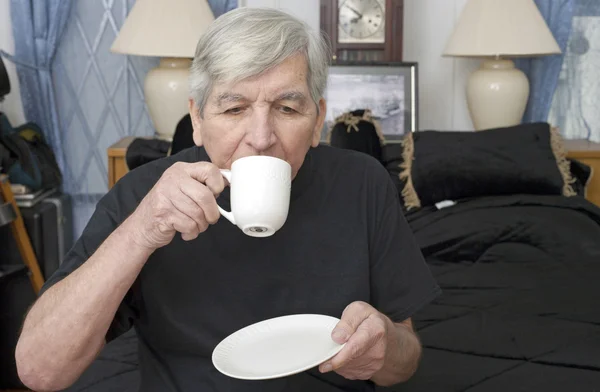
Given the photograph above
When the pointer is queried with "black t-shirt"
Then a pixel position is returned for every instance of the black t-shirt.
(345, 240)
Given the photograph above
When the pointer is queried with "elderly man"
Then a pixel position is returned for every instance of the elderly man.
(155, 255)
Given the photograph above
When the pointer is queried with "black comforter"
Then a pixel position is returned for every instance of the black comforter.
(520, 305)
(519, 310)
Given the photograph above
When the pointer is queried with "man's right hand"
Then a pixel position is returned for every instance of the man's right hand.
(183, 200)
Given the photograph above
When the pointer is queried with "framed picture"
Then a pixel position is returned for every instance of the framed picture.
(389, 90)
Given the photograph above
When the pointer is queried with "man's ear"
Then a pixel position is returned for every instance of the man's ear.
(196, 122)
(320, 121)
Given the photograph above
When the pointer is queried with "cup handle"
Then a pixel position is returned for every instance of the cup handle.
(227, 214)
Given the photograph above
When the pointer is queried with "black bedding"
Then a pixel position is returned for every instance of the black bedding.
(519, 309)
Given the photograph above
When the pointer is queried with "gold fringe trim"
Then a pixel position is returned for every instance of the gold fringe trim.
(586, 186)
(558, 148)
(409, 194)
(352, 123)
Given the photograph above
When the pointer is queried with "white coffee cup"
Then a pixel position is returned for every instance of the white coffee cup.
(260, 194)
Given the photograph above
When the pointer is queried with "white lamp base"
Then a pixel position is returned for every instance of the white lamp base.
(166, 92)
(497, 95)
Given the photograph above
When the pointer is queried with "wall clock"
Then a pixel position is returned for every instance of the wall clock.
(361, 21)
(364, 30)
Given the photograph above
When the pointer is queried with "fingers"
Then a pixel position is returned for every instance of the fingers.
(204, 203)
(362, 329)
(183, 201)
(193, 198)
(184, 204)
(208, 174)
(367, 335)
(354, 348)
(182, 223)
(352, 317)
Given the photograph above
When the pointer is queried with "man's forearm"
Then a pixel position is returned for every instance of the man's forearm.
(65, 329)
(402, 355)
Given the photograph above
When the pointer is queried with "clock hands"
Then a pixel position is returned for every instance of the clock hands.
(355, 11)
(358, 14)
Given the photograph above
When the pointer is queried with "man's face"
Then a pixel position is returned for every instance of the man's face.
(270, 114)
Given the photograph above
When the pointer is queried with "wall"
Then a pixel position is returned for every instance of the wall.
(11, 105)
(442, 81)
(307, 10)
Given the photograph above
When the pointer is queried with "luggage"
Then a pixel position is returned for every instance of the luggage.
(49, 224)
(64, 223)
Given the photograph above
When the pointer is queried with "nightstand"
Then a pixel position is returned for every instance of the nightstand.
(588, 153)
(117, 165)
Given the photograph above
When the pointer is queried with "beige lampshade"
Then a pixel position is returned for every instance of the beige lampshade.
(501, 28)
(163, 28)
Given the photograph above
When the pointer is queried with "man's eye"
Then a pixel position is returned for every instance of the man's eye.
(237, 110)
(286, 109)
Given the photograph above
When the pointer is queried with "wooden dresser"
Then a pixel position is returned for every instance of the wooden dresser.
(582, 150)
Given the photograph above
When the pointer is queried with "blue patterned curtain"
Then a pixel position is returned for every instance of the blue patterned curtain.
(219, 7)
(37, 28)
(543, 72)
(577, 97)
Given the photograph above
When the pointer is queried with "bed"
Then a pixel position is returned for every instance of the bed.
(519, 309)
(517, 255)
(501, 218)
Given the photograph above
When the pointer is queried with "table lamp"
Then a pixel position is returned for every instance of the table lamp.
(495, 31)
(169, 29)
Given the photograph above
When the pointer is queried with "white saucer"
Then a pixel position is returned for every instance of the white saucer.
(277, 347)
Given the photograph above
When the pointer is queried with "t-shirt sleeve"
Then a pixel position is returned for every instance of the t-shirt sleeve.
(401, 281)
(102, 223)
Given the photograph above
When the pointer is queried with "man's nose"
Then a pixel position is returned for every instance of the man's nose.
(261, 134)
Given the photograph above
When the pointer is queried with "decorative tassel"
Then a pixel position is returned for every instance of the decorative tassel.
(564, 166)
(351, 121)
(409, 194)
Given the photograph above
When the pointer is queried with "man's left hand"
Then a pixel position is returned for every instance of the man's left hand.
(364, 330)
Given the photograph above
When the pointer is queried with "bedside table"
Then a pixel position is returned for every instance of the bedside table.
(588, 153)
(117, 165)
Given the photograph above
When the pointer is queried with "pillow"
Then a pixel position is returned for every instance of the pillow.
(392, 160)
(357, 130)
(582, 174)
(183, 137)
(451, 165)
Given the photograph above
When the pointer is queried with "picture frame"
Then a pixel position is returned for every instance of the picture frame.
(388, 89)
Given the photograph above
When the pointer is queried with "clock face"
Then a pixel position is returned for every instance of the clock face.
(361, 21)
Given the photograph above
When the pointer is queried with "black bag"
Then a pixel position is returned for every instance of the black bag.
(26, 157)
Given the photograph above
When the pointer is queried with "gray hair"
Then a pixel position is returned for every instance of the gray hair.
(246, 42)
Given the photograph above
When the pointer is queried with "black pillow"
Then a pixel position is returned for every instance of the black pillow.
(357, 130)
(392, 160)
(452, 165)
(183, 136)
(581, 175)
(142, 151)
